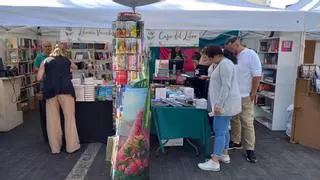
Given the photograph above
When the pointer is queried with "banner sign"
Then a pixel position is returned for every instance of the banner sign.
(171, 38)
(86, 35)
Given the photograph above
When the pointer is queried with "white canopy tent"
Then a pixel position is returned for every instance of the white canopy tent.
(311, 8)
(169, 14)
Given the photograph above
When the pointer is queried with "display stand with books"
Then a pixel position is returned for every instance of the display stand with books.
(21, 53)
(92, 59)
(280, 56)
(129, 148)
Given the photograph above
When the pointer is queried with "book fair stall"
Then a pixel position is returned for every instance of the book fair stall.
(135, 73)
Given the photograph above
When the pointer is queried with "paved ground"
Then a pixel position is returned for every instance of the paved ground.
(24, 155)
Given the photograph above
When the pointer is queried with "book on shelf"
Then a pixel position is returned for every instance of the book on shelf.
(269, 46)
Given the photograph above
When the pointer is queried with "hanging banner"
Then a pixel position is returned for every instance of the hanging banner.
(86, 35)
(172, 38)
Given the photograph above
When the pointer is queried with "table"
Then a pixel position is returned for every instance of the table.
(181, 122)
(94, 121)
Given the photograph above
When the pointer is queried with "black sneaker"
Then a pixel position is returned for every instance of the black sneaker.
(233, 145)
(251, 157)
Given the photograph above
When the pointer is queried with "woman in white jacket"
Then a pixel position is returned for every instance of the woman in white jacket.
(225, 101)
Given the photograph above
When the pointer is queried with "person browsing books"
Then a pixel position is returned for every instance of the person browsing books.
(249, 75)
(59, 91)
(225, 100)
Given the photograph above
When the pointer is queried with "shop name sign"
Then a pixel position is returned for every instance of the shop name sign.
(171, 38)
(86, 35)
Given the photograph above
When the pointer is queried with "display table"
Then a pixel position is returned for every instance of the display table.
(94, 121)
(10, 117)
(181, 122)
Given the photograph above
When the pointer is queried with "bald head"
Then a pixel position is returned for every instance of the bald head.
(46, 47)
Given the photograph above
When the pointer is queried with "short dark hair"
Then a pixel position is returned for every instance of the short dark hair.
(232, 39)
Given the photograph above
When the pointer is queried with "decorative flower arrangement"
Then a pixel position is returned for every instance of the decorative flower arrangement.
(132, 157)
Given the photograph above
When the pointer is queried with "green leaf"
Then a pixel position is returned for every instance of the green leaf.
(118, 174)
(128, 151)
(140, 144)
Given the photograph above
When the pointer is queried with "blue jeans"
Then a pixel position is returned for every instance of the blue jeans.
(222, 136)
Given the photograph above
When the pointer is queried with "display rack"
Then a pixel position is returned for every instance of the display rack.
(21, 53)
(268, 52)
(131, 99)
(276, 90)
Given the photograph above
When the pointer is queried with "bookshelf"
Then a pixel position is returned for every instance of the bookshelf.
(276, 90)
(21, 53)
(92, 59)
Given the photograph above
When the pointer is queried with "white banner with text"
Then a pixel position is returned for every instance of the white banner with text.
(86, 35)
(171, 38)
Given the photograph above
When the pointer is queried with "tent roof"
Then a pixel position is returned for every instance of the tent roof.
(169, 14)
(312, 13)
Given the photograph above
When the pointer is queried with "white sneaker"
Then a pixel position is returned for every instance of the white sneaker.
(225, 159)
(209, 165)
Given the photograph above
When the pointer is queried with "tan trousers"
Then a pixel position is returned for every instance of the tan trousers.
(54, 124)
(242, 128)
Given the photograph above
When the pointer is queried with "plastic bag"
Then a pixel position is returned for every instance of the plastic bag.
(289, 120)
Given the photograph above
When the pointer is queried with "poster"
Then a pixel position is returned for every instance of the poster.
(287, 46)
(131, 160)
(172, 38)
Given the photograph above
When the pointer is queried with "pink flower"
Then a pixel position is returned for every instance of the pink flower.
(132, 169)
(138, 163)
(137, 127)
(121, 168)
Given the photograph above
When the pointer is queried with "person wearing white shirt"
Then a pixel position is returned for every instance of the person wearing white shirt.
(225, 100)
(249, 74)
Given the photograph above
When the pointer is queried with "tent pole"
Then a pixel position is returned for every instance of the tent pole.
(302, 46)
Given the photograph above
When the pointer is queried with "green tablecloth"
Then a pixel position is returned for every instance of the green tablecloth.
(181, 122)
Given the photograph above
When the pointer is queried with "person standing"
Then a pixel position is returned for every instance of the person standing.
(249, 75)
(59, 91)
(201, 76)
(225, 100)
(46, 50)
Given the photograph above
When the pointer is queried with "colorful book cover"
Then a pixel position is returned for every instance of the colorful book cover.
(120, 46)
(133, 76)
(131, 29)
(121, 77)
(139, 62)
(121, 29)
(131, 45)
(132, 62)
(120, 63)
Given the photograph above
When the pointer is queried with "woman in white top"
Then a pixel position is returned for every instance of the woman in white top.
(225, 100)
